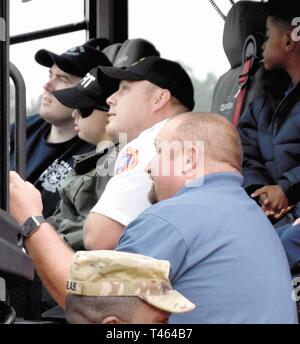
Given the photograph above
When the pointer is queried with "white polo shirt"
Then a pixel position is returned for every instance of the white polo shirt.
(126, 193)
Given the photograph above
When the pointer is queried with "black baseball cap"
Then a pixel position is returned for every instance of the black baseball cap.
(161, 72)
(76, 61)
(91, 93)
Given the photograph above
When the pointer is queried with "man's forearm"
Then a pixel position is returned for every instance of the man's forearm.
(52, 259)
(50, 255)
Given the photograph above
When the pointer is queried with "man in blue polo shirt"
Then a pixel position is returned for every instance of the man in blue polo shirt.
(224, 253)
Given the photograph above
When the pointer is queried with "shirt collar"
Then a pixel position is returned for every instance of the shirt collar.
(212, 181)
(154, 127)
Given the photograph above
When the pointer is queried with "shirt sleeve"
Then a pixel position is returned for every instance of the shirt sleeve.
(154, 236)
(254, 170)
(125, 196)
(290, 184)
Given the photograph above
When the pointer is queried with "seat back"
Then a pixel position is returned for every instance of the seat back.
(111, 51)
(132, 50)
(243, 35)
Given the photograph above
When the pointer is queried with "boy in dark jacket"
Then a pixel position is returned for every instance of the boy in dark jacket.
(83, 187)
(270, 127)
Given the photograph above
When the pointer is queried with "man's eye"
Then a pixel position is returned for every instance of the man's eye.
(124, 87)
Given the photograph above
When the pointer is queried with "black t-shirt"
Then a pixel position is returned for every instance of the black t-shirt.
(47, 163)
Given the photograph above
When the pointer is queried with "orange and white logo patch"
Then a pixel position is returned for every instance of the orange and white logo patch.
(128, 161)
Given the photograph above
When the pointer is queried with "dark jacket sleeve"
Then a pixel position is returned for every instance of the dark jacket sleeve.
(79, 194)
(254, 171)
(69, 225)
(290, 184)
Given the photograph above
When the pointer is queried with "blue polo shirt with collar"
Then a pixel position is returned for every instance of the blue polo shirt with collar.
(225, 255)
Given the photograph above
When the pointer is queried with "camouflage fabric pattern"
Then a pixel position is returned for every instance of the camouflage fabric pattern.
(113, 273)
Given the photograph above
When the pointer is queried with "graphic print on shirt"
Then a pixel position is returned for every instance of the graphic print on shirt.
(53, 176)
(128, 161)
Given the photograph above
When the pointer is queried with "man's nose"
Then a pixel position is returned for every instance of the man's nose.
(112, 99)
(49, 86)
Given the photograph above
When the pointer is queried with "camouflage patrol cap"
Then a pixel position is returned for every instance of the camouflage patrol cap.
(113, 273)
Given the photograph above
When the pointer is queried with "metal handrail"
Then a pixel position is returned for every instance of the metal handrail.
(20, 126)
(4, 105)
(59, 30)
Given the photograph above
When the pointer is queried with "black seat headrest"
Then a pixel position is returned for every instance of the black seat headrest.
(244, 18)
(133, 50)
(111, 51)
(98, 43)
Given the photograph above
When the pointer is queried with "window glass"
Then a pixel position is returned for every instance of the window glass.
(33, 16)
(189, 32)
(42, 14)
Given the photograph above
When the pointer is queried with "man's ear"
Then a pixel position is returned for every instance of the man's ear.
(190, 161)
(161, 97)
(113, 320)
(290, 43)
(193, 160)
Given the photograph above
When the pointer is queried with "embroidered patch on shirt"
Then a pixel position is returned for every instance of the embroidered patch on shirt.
(128, 161)
(53, 176)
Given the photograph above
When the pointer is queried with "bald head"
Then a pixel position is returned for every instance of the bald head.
(221, 141)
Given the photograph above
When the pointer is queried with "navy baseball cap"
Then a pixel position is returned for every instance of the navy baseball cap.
(91, 93)
(76, 61)
(161, 72)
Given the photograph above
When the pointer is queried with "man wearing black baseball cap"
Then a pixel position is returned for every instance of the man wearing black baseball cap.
(51, 138)
(150, 92)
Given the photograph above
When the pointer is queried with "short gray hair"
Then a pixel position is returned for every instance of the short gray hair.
(94, 309)
(221, 140)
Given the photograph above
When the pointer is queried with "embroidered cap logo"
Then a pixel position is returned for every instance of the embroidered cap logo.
(87, 80)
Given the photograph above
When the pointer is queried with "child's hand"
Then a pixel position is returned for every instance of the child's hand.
(273, 201)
